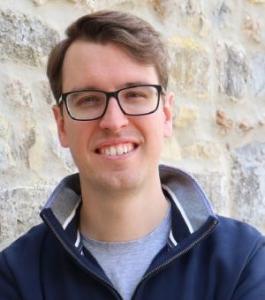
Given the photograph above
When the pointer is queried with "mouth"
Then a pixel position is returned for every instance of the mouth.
(117, 150)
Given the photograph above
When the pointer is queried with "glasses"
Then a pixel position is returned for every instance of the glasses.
(88, 105)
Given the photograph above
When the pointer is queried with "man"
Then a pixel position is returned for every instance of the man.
(125, 228)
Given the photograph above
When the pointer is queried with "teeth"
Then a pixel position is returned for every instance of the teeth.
(120, 150)
(117, 149)
(112, 150)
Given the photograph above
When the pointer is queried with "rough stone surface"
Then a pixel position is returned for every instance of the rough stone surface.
(248, 183)
(227, 125)
(233, 70)
(257, 1)
(252, 29)
(19, 209)
(206, 150)
(186, 115)
(224, 122)
(189, 67)
(3, 127)
(258, 74)
(97, 5)
(40, 2)
(46, 92)
(25, 38)
(171, 152)
(223, 13)
(21, 134)
(215, 187)
(6, 158)
(17, 94)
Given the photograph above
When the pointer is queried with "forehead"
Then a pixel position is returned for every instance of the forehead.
(104, 66)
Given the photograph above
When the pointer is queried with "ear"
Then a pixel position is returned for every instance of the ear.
(60, 122)
(168, 114)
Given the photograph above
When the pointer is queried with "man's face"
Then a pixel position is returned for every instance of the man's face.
(95, 145)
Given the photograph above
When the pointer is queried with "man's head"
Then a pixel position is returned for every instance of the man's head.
(112, 114)
(129, 32)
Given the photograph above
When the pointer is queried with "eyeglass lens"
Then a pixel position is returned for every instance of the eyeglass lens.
(86, 105)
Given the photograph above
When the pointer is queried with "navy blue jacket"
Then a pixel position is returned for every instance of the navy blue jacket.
(206, 257)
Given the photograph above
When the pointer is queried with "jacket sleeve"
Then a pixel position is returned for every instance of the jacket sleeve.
(8, 289)
(251, 283)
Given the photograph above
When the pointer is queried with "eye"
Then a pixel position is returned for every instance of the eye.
(135, 94)
(87, 100)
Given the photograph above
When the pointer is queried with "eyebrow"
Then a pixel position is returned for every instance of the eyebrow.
(128, 84)
(124, 85)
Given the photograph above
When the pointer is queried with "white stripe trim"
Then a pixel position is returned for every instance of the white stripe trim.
(172, 239)
(78, 238)
(71, 216)
(182, 211)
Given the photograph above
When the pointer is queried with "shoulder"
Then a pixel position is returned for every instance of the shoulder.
(20, 264)
(25, 248)
(230, 228)
(237, 241)
(241, 250)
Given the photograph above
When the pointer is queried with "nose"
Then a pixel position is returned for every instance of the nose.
(113, 119)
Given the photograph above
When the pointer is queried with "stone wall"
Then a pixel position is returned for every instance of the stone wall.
(217, 51)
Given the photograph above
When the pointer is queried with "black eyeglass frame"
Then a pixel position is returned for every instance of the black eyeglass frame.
(115, 94)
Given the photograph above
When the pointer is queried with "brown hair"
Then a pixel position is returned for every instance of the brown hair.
(137, 37)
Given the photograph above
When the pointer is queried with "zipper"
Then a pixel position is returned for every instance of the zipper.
(182, 252)
(96, 276)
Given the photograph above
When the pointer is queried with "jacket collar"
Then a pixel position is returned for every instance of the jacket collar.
(190, 206)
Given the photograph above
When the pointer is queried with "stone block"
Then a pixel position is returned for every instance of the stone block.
(225, 123)
(4, 126)
(189, 67)
(185, 8)
(248, 184)
(252, 28)
(223, 13)
(45, 92)
(103, 4)
(202, 150)
(6, 158)
(257, 65)
(186, 115)
(18, 94)
(20, 136)
(190, 7)
(25, 38)
(233, 70)
(62, 154)
(256, 1)
(159, 6)
(19, 209)
(39, 2)
(245, 126)
(186, 13)
(215, 188)
(171, 151)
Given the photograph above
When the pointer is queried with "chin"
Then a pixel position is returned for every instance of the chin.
(117, 182)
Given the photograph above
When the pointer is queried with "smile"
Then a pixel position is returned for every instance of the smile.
(117, 150)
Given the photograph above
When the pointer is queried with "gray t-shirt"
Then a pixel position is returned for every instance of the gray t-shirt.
(126, 262)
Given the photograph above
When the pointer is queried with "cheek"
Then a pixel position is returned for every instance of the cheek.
(78, 136)
(154, 130)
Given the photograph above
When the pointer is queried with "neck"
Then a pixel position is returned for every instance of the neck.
(121, 216)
